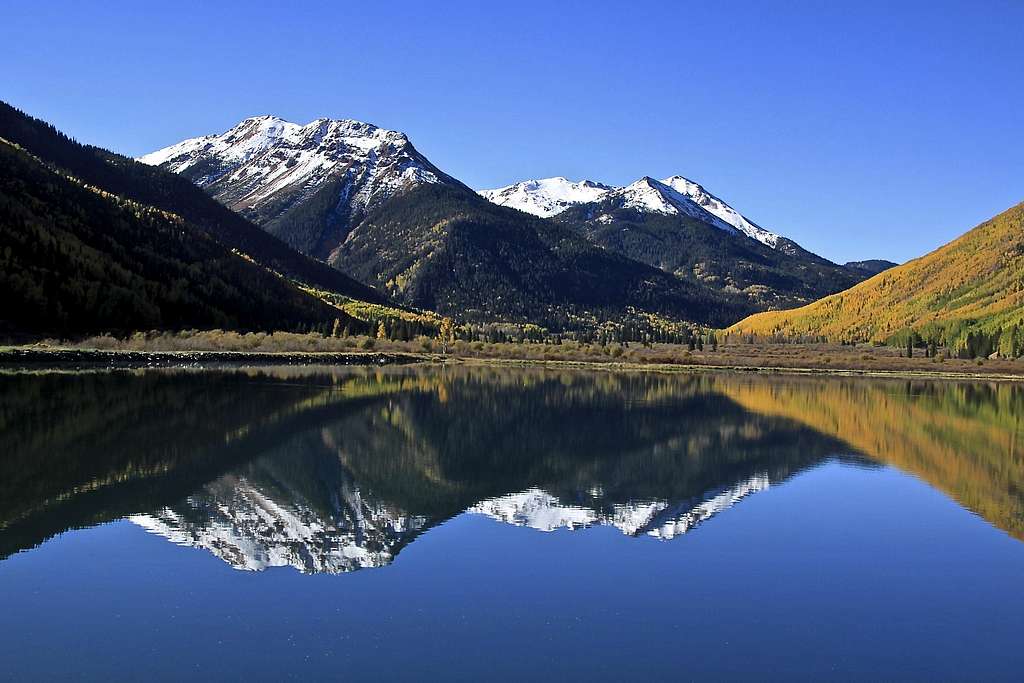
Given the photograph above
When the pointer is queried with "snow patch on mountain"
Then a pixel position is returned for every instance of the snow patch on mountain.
(717, 207)
(536, 509)
(546, 197)
(539, 510)
(267, 165)
(247, 528)
(252, 527)
(651, 196)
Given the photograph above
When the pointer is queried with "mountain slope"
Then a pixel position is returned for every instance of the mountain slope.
(720, 209)
(77, 259)
(654, 223)
(364, 200)
(166, 191)
(975, 282)
(308, 185)
(444, 248)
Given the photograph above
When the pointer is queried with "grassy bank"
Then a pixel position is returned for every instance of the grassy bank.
(208, 347)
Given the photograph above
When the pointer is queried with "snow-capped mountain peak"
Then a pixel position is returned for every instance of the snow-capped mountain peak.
(253, 528)
(646, 195)
(720, 209)
(662, 519)
(264, 167)
(546, 197)
(652, 196)
(299, 150)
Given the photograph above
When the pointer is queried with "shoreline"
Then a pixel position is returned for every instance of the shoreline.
(743, 369)
(98, 359)
(71, 359)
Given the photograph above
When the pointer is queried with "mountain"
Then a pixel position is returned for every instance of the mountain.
(307, 184)
(547, 196)
(75, 259)
(364, 200)
(671, 224)
(871, 266)
(968, 290)
(655, 223)
(367, 202)
(171, 193)
(444, 248)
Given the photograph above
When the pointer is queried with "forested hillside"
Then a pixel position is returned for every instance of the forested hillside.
(74, 259)
(444, 248)
(967, 295)
(696, 250)
(164, 190)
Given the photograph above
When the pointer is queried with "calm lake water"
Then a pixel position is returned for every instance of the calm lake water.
(513, 524)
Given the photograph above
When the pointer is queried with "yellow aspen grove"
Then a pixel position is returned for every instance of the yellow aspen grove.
(446, 333)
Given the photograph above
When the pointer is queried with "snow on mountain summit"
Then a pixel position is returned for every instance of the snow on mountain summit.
(322, 143)
(264, 167)
(717, 207)
(653, 196)
(546, 197)
(662, 519)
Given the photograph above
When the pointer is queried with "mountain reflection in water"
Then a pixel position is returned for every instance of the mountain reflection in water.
(332, 470)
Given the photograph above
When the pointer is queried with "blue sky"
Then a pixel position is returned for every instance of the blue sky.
(859, 129)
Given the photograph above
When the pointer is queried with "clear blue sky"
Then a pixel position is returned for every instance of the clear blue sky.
(859, 129)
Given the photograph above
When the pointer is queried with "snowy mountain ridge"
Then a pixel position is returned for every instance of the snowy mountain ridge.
(265, 168)
(537, 509)
(270, 153)
(252, 530)
(547, 197)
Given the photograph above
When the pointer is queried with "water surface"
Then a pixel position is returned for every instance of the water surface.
(460, 523)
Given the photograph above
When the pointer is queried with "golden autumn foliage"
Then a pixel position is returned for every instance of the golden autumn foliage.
(965, 439)
(974, 282)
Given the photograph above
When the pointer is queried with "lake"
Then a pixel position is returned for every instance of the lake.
(467, 523)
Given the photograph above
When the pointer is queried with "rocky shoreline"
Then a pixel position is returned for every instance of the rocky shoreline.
(95, 358)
